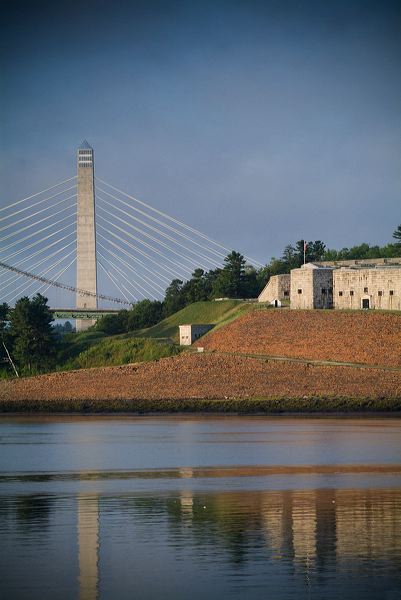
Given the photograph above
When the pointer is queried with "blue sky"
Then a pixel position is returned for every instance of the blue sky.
(258, 122)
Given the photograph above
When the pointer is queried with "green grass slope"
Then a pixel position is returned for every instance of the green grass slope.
(96, 349)
(115, 350)
(198, 312)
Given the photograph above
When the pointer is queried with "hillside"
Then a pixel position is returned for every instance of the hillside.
(198, 312)
(357, 337)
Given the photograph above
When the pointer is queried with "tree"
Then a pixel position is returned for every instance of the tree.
(397, 236)
(4, 310)
(316, 250)
(144, 314)
(34, 344)
(174, 299)
(230, 281)
(113, 324)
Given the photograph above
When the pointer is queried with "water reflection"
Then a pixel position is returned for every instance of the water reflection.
(88, 547)
(294, 541)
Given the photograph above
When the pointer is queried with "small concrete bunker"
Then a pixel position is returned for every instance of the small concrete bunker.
(190, 333)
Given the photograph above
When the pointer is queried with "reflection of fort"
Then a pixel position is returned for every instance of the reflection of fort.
(332, 525)
(88, 546)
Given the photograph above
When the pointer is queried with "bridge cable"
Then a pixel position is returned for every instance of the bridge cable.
(219, 254)
(186, 269)
(153, 272)
(112, 279)
(57, 276)
(181, 223)
(33, 225)
(143, 277)
(39, 241)
(64, 286)
(134, 284)
(152, 248)
(17, 212)
(14, 233)
(159, 231)
(38, 193)
(30, 216)
(27, 237)
(34, 266)
(37, 277)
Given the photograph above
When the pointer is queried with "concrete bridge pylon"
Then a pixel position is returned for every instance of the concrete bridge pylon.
(86, 234)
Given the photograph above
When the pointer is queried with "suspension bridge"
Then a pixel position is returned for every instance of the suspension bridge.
(96, 244)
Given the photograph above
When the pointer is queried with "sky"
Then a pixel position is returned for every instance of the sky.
(257, 122)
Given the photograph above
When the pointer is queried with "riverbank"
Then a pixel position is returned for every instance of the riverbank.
(208, 383)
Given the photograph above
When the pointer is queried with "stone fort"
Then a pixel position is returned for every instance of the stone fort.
(366, 284)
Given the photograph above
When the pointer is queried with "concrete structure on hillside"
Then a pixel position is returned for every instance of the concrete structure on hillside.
(378, 287)
(276, 290)
(311, 287)
(190, 333)
(86, 234)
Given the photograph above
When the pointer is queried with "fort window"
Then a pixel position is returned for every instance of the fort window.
(380, 293)
(323, 291)
(340, 293)
(351, 293)
(391, 292)
(299, 291)
(330, 290)
(286, 293)
(365, 290)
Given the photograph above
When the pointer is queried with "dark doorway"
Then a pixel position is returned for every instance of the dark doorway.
(276, 303)
(365, 302)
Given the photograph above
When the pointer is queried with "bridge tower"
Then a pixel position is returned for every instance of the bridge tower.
(86, 233)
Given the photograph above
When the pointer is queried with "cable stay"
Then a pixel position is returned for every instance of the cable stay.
(176, 221)
(17, 212)
(37, 193)
(64, 286)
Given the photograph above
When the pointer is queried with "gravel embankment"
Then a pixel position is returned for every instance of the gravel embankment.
(204, 376)
(369, 338)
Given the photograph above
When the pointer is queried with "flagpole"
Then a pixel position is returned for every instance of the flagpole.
(304, 252)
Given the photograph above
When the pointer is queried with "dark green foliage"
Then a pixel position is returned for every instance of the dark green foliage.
(4, 337)
(230, 283)
(174, 299)
(144, 314)
(33, 341)
(397, 237)
(113, 324)
(363, 251)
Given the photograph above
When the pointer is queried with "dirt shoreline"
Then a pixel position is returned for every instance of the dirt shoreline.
(206, 383)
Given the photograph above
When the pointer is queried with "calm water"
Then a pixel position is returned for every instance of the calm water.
(192, 508)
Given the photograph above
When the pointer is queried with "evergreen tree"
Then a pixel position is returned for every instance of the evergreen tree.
(174, 299)
(30, 328)
(397, 236)
(230, 281)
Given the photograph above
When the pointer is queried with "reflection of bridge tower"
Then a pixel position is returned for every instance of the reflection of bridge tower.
(86, 236)
(88, 546)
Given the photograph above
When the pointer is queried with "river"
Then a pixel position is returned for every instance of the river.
(184, 507)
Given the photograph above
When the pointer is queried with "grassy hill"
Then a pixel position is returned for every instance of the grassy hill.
(198, 312)
(114, 350)
(96, 349)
